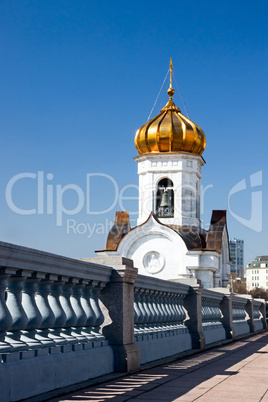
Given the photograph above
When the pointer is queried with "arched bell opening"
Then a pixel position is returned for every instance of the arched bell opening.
(165, 199)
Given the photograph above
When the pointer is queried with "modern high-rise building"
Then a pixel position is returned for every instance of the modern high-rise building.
(237, 256)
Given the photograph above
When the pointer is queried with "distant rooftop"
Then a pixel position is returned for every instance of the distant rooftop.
(260, 261)
(236, 240)
(262, 258)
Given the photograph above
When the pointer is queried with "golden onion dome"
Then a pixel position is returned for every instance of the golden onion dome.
(170, 131)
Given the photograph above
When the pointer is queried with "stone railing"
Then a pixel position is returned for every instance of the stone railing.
(258, 315)
(50, 319)
(65, 321)
(240, 318)
(160, 316)
(212, 325)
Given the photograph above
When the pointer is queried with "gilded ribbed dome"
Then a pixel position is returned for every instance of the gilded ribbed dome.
(170, 131)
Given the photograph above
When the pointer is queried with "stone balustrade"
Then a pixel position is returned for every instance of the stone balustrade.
(240, 316)
(259, 314)
(158, 305)
(50, 318)
(212, 325)
(64, 321)
(43, 310)
(160, 329)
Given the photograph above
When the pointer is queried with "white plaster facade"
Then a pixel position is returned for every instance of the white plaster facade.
(257, 273)
(159, 251)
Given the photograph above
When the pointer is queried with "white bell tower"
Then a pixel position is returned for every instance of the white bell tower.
(169, 185)
(170, 146)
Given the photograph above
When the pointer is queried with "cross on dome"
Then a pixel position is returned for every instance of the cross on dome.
(170, 130)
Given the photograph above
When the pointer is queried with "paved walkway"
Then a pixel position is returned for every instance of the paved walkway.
(234, 372)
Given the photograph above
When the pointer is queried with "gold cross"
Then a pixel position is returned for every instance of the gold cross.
(171, 70)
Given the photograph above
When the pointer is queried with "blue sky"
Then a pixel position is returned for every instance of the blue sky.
(78, 78)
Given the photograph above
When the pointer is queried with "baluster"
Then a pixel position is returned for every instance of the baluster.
(150, 315)
(5, 316)
(146, 316)
(165, 317)
(172, 311)
(217, 312)
(172, 308)
(182, 310)
(169, 310)
(90, 315)
(71, 318)
(60, 316)
(19, 318)
(138, 313)
(210, 316)
(179, 310)
(213, 311)
(48, 317)
(204, 311)
(157, 318)
(153, 310)
(97, 286)
(174, 299)
(79, 312)
(160, 309)
(31, 310)
(141, 308)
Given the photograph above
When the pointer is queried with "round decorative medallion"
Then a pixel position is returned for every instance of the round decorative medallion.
(153, 262)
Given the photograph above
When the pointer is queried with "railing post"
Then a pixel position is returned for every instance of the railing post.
(227, 316)
(193, 305)
(249, 310)
(263, 312)
(118, 298)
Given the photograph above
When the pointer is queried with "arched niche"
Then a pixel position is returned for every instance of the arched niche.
(165, 199)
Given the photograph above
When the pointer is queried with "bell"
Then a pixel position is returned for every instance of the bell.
(165, 200)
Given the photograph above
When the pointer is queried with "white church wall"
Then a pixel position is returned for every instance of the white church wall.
(157, 251)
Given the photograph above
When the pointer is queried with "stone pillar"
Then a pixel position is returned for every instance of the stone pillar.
(118, 298)
(193, 305)
(249, 310)
(227, 316)
(263, 311)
